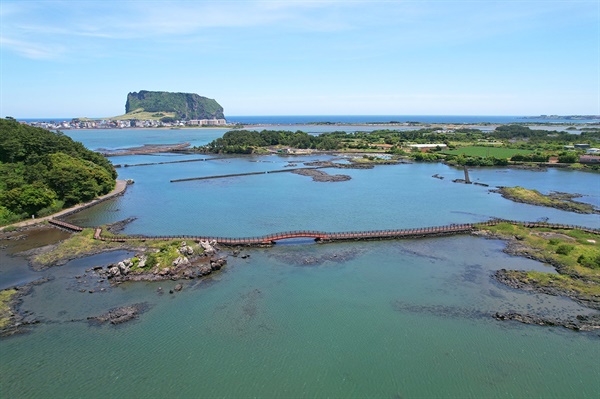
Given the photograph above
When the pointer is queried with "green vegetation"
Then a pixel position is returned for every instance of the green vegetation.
(506, 144)
(249, 141)
(142, 115)
(371, 160)
(176, 105)
(574, 253)
(41, 172)
(484, 152)
(166, 254)
(6, 312)
(82, 244)
(76, 246)
(534, 197)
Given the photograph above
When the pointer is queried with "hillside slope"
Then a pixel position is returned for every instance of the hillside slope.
(183, 105)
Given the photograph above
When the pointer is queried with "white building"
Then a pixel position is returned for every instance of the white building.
(207, 122)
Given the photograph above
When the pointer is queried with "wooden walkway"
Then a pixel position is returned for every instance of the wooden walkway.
(321, 236)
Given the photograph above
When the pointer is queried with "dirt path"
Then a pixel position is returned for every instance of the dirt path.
(119, 188)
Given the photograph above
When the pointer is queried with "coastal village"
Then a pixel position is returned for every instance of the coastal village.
(125, 124)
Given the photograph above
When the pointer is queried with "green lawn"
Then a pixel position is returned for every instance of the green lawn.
(497, 152)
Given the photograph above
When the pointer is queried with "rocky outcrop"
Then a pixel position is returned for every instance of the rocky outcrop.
(209, 247)
(15, 321)
(188, 265)
(320, 176)
(579, 323)
(515, 279)
(121, 314)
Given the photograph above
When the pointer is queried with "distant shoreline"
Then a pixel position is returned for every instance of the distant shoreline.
(577, 124)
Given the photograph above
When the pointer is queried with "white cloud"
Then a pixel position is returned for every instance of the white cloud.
(32, 50)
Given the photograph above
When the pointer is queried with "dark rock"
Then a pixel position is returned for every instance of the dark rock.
(178, 287)
(320, 176)
(121, 314)
(218, 263)
(580, 323)
(204, 270)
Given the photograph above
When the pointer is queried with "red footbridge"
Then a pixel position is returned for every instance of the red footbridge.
(321, 236)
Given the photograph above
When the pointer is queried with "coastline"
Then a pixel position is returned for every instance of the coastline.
(120, 187)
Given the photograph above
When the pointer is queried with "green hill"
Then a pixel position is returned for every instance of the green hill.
(179, 105)
(42, 172)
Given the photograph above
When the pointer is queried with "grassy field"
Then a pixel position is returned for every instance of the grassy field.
(478, 151)
(140, 114)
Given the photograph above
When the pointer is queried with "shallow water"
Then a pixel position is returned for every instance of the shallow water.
(403, 318)
(386, 197)
(380, 319)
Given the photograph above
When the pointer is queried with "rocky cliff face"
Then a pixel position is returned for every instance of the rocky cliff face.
(185, 105)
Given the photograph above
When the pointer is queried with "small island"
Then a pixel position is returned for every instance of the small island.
(563, 201)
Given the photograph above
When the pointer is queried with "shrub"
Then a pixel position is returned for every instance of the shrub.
(592, 262)
(564, 249)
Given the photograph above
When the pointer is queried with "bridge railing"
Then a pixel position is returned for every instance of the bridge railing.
(430, 230)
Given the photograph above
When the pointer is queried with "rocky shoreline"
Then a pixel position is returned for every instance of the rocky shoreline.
(506, 277)
(579, 323)
(18, 322)
(516, 280)
(559, 200)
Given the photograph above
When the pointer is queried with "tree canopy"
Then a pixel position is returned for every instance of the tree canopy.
(41, 172)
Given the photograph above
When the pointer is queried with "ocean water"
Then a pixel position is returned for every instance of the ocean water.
(386, 197)
(390, 319)
(304, 119)
(381, 319)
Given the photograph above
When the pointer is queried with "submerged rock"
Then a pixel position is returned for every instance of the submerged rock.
(121, 314)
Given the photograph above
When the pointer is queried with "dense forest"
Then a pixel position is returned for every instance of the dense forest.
(246, 141)
(42, 172)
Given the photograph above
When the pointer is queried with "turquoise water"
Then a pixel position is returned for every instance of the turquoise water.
(386, 197)
(390, 319)
(383, 319)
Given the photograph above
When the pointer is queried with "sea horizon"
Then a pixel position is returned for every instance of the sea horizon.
(366, 119)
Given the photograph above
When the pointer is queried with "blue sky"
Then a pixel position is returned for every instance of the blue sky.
(81, 58)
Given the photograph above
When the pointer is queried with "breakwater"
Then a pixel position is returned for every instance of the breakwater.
(243, 174)
(168, 162)
(324, 237)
